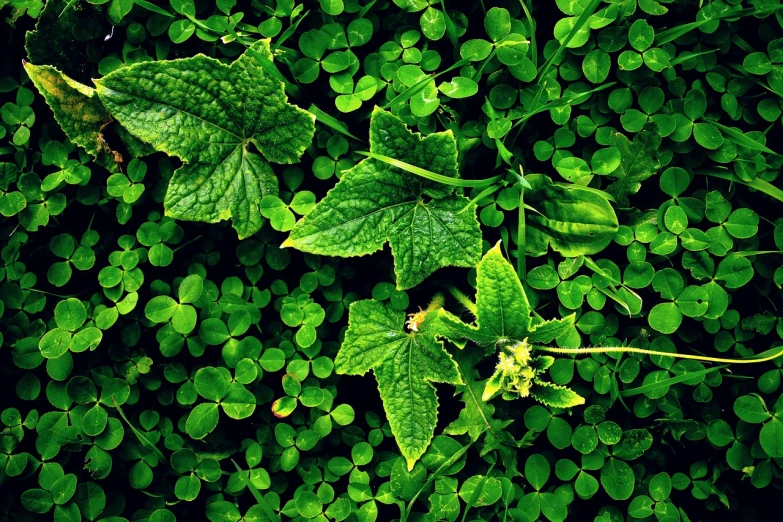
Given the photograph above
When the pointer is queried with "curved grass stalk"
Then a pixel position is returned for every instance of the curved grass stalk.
(757, 184)
(630, 349)
(432, 176)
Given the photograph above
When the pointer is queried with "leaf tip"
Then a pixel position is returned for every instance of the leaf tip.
(411, 463)
(287, 243)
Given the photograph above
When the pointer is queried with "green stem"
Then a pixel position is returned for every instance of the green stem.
(629, 349)
(521, 243)
(183, 245)
(464, 300)
(52, 294)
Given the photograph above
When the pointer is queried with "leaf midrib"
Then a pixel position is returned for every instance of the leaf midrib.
(102, 88)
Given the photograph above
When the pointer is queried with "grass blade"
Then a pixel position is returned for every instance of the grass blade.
(741, 139)
(257, 494)
(151, 7)
(668, 382)
(443, 467)
(270, 68)
(139, 435)
(673, 33)
(330, 121)
(580, 22)
(484, 193)
(757, 184)
(439, 178)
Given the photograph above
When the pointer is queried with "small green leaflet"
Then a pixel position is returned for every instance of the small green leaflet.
(404, 364)
(637, 164)
(207, 113)
(571, 219)
(374, 202)
(502, 309)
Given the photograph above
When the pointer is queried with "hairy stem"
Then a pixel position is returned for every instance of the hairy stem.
(464, 300)
(629, 349)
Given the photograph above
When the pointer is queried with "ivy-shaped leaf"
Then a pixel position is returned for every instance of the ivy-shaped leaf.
(374, 202)
(405, 364)
(207, 113)
(503, 313)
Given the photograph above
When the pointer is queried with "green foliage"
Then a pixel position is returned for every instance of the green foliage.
(404, 365)
(374, 203)
(588, 188)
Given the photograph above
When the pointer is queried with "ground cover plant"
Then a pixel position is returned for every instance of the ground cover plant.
(577, 316)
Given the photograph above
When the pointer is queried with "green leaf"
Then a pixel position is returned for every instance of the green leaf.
(637, 164)
(202, 420)
(537, 471)
(76, 108)
(572, 219)
(665, 317)
(211, 383)
(771, 437)
(555, 396)
(459, 87)
(617, 479)
(502, 309)
(751, 408)
(374, 203)
(405, 365)
(173, 104)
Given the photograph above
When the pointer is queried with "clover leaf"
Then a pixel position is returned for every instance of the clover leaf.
(374, 203)
(175, 104)
(405, 364)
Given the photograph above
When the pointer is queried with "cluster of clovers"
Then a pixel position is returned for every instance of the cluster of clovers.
(159, 362)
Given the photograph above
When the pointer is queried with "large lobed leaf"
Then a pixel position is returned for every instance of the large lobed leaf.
(404, 364)
(82, 116)
(502, 308)
(207, 113)
(374, 203)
